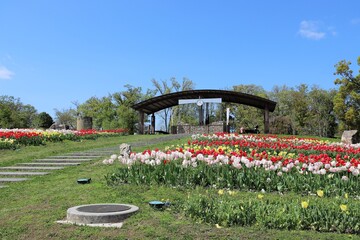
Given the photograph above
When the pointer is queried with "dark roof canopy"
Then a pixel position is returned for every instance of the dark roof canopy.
(156, 104)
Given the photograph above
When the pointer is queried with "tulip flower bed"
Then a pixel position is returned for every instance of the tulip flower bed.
(6, 143)
(14, 138)
(247, 164)
(228, 208)
(267, 164)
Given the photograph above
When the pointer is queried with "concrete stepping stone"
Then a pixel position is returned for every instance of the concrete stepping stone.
(62, 160)
(13, 179)
(92, 154)
(106, 151)
(59, 159)
(50, 164)
(18, 173)
(30, 168)
(72, 157)
(99, 155)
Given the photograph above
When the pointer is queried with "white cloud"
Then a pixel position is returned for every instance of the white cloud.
(5, 73)
(310, 30)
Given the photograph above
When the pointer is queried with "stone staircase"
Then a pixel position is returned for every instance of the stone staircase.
(24, 171)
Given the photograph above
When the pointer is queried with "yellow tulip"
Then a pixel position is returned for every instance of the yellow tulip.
(221, 192)
(304, 204)
(231, 193)
(346, 196)
(260, 196)
(320, 193)
(343, 207)
(218, 226)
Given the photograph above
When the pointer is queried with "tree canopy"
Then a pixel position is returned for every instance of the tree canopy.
(43, 120)
(347, 99)
(15, 114)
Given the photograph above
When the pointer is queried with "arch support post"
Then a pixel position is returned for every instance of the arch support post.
(266, 119)
(141, 122)
(201, 116)
(153, 124)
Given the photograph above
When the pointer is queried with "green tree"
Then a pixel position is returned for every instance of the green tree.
(101, 110)
(322, 121)
(280, 120)
(114, 110)
(128, 117)
(43, 120)
(347, 99)
(14, 114)
(291, 115)
(300, 110)
(248, 117)
(66, 117)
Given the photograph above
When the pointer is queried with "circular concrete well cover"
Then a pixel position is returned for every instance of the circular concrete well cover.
(103, 208)
(100, 213)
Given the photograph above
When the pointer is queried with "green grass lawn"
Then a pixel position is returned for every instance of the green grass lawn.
(30, 209)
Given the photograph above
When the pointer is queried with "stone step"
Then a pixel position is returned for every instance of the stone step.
(15, 168)
(49, 164)
(62, 160)
(3, 186)
(107, 151)
(23, 173)
(89, 153)
(73, 157)
(13, 179)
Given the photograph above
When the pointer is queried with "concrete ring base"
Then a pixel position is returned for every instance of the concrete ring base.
(106, 225)
(100, 213)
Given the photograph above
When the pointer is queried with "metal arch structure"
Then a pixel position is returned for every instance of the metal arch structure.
(158, 103)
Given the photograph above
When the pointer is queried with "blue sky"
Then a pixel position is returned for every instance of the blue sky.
(53, 53)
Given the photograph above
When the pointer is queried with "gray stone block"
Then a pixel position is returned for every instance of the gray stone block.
(125, 149)
(350, 137)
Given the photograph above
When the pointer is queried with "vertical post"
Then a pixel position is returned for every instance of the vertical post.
(221, 112)
(141, 122)
(227, 120)
(266, 119)
(153, 123)
(207, 118)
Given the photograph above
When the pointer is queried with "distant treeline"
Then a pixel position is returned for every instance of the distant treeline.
(303, 110)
